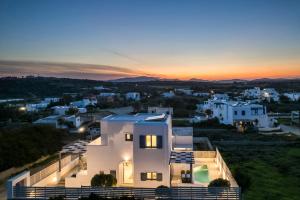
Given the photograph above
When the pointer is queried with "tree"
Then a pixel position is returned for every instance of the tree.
(103, 180)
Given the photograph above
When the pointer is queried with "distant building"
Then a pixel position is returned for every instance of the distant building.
(84, 102)
(160, 110)
(201, 94)
(184, 91)
(293, 96)
(220, 97)
(60, 121)
(36, 107)
(235, 113)
(60, 110)
(51, 99)
(252, 93)
(108, 94)
(168, 94)
(270, 94)
(133, 96)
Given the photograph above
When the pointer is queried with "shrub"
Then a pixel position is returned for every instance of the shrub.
(103, 180)
(218, 186)
(219, 183)
(162, 191)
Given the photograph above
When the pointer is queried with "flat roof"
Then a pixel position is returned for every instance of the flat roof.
(140, 117)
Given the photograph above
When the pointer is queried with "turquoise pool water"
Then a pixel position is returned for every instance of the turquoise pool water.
(201, 174)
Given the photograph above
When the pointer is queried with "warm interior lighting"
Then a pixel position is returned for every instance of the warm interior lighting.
(148, 140)
(151, 141)
(154, 141)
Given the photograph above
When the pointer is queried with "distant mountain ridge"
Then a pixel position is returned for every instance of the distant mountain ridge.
(151, 78)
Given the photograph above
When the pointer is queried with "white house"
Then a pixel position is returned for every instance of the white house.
(220, 97)
(58, 121)
(169, 94)
(235, 113)
(133, 96)
(270, 94)
(252, 93)
(36, 107)
(133, 148)
(293, 96)
(160, 110)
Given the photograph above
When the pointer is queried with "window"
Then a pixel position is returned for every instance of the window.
(235, 112)
(128, 137)
(243, 112)
(151, 176)
(151, 141)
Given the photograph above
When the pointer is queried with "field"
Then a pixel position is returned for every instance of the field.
(266, 167)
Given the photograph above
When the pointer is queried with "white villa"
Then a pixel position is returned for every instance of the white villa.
(141, 151)
(237, 112)
(133, 96)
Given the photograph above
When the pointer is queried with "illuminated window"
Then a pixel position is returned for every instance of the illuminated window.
(151, 175)
(128, 137)
(151, 141)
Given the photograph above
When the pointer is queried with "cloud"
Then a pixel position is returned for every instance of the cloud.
(128, 57)
(71, 70)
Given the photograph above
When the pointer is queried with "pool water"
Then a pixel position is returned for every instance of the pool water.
(201, 174)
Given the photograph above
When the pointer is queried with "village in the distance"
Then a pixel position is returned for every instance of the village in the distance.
(59, 136)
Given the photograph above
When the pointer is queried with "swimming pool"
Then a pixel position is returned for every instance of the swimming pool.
(201, 174)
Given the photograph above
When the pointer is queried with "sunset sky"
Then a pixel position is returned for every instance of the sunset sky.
(107, 39)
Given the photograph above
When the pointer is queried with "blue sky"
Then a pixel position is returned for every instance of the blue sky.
(211, 39)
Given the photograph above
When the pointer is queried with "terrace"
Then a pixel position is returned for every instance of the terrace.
(198, 168)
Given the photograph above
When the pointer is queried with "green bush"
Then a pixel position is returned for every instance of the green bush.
(219, 182)
(103, 180)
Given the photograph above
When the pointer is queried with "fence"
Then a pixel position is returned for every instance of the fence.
(224, 169)
(204, 154)
(232, 193)
(40, 175)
